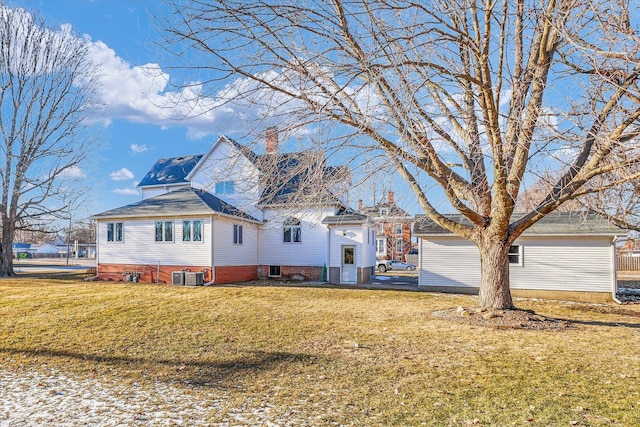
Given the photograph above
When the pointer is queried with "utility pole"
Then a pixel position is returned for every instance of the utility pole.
(68, 241)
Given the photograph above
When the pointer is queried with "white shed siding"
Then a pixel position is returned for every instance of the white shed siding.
(312, 251)
(449, 261)
(139, 245)
(224, 163)
(569, 264)
(226, 252)
(549, 263)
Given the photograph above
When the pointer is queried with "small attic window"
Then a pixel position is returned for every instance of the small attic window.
(384, 211)
(224, 187)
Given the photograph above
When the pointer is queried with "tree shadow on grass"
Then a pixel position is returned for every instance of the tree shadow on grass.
(195, 372)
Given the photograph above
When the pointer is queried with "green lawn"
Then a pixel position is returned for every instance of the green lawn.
(336, 356)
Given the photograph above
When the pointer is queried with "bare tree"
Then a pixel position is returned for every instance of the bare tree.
(476, 98)
(46, 82)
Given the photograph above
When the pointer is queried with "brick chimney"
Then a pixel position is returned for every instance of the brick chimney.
(390, 197)
(271, 139)
(360, 204)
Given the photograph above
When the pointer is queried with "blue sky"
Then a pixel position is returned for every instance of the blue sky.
(134, 130)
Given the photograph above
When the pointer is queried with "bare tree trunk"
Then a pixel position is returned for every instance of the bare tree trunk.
(494, 283)
(6, 247)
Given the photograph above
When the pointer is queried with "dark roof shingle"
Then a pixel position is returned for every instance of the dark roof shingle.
(185, 201)
(173, 170)
(555, 223)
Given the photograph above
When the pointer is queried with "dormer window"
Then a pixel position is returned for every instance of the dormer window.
(384, 211)
(224, 187)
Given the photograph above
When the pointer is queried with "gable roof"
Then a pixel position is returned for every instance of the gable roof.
(393, 210)
(182, 202)
(298, 178)
(301, 177)
(553, 224)
(172, 170)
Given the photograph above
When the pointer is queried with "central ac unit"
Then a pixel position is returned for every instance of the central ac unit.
(177, 277)
(193, 279)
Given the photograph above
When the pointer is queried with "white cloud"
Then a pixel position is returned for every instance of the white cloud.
(72, 172)
(121, 175)
(127, 191)
(137, 149)
(142, 94)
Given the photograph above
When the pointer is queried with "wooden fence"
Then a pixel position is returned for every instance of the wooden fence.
(628, 263)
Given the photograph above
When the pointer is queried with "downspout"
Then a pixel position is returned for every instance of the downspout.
(615, 271)
(213, 279)
(328, 254)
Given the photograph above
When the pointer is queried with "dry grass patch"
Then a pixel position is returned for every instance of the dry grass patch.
(331, 356)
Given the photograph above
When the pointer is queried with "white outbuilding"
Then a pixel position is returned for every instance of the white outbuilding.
(568, 256)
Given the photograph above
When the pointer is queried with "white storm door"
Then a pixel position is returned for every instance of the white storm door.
(349, 271)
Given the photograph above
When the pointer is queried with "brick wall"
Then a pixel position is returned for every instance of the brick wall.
(223, 274)
(231, 274)
(148, 273)
(288, 272)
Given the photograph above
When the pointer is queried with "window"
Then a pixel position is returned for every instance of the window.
(384, 211)
(515, 255)
(186, 231)
(237, 234)
(292, 231)
(114, 232)
(381, 246)
(197, 231)
(274, 271)
(192, 231)
(224, 187)
(164, 231)
(380, 228)
(399, 246)
(399, 229)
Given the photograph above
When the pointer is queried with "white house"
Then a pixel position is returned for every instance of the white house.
(233, 215)
(563, 256)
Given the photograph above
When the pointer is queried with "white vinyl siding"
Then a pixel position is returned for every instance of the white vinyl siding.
(224, 164)
(547, 263)
(139, 247)
(312, 251)
(352, 235)
(226, 252)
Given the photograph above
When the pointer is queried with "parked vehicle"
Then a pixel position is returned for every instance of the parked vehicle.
(399, 265)
(383, 265)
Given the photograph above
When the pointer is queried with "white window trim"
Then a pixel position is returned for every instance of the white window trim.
(114, 232)
(520, 262)
(291, 227)
(173, 232)
(274, 275)
(225, 187)
(240, 234)
(384, 245)
(191, 230)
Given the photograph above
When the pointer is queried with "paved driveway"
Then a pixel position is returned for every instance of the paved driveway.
(389, 280)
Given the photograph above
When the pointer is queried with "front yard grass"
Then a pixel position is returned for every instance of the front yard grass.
(334, 356)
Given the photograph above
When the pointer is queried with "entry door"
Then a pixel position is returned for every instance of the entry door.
(349, 271)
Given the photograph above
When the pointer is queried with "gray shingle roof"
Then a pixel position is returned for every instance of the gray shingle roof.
(352, 218)
(298, 178)
(173, 170)
(555, 223)
(186, 201)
